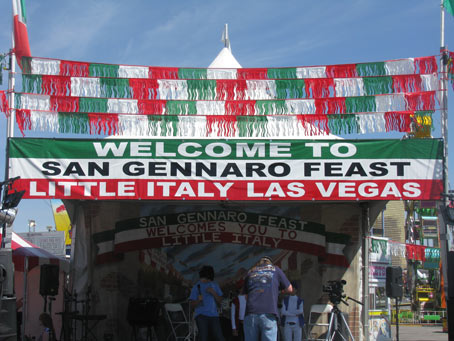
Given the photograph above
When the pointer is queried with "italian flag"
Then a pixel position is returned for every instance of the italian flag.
(21, 44)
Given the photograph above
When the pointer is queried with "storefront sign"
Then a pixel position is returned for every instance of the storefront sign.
(171, 169)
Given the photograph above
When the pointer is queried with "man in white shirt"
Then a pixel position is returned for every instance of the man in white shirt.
(292, 315)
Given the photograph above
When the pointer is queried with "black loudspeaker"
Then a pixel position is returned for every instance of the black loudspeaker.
(394, 283)
(49, 280)
(143, 311)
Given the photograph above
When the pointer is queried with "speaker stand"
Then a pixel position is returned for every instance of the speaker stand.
(397, 318)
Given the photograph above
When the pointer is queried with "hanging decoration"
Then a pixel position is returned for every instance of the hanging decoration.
(450, 67)
(104, 99)
(4, 105)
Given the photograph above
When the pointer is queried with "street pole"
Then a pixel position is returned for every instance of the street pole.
(444, 251)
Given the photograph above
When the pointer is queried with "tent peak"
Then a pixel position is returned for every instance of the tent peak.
(225, 58)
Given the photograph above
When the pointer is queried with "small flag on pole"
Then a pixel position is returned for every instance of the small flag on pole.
(21, 43)
(449, 6)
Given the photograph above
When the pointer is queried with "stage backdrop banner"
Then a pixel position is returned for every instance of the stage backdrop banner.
(237, 169)
(220, 226)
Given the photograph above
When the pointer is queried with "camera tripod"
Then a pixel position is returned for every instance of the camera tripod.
(338, 326)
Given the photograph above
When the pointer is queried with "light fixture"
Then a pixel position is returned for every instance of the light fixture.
(7, 216)
(31, 225)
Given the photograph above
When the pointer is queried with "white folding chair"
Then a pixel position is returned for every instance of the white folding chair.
(318, 319)
(179, 324)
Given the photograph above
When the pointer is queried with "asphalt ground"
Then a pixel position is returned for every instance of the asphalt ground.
(419, 333)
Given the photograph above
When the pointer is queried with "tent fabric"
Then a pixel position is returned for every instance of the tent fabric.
(36, 256)
(225, 59)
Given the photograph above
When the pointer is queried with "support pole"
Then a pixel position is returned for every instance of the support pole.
(365, 253)
(445, 259)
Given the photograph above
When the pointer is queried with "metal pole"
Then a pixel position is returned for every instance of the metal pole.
(445, 200)
(366, 237)
(25, 298)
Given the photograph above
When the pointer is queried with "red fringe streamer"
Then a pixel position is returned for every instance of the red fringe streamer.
(420, 100)
(56, 85)
(163, 72)
(64, 104)
(4, 106)
(144, 88)
(398, 121)
(23, 120)
(155, 107)
(103, 124)
(317, 123)
(407, 83)
(225, 123)
(319, 87)
(426, 65)
(334, 105)
(254, 73)
(341, 71)
(240, 108)
(416, 252)
(230, 89)
(76, 69)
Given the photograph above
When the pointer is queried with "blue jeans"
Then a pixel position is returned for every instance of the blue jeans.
(209, 328)
(260, 327)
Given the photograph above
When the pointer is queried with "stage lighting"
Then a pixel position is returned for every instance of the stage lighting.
(12, 200)
(7, 216)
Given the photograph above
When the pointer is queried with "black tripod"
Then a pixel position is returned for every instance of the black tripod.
(338, 328)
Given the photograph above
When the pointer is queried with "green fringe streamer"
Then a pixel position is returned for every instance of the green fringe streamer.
(159, 125)
(73, 123)
(371, 69)
(185, 73)
(181, 108)
(282, 73)
(103, 70)
(379, 246)
(201, 89)
(87, 105)
(32, 84)
(342, 124)
(378, 85)
(270, 107)
(360, 104)
(115, 87)
(26, 64)
(290, 88)
(252, 126)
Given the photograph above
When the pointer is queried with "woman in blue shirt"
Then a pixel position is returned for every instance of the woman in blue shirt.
(205, 295)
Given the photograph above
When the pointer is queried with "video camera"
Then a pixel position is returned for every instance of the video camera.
(335, 290)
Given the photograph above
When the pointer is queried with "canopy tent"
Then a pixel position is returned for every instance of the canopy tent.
(36, 256)
(26, 256)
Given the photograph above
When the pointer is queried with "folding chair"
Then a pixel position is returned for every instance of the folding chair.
(318, 322)
(179, 324)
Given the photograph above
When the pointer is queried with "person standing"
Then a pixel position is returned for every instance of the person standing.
(292, 315)
(237, 311)
(204, 297)
(263, 283)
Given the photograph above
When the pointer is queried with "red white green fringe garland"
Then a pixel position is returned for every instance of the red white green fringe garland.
(221, 126)
(101, 99)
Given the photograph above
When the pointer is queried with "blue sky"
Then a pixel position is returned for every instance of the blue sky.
(263, 33)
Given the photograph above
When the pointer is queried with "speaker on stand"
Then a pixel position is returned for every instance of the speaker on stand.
(394, 288)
